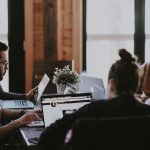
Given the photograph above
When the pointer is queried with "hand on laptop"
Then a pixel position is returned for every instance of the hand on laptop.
(28, 118)
(37, 111)
(32, 94)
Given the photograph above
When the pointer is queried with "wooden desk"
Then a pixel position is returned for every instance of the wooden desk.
(30, 136)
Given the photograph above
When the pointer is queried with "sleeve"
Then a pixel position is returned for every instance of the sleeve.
(10, 96)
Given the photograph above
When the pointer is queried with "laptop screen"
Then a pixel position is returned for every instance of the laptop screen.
(93, 85)
(56, 106)
(41, 87)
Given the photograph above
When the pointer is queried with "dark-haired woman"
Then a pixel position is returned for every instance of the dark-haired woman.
(123, 81)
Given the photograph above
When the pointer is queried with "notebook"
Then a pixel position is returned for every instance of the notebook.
(56, 106)
(93, 85)
(26, 104)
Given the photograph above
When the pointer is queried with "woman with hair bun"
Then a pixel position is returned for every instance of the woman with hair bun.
(123, 82)
(123, 76)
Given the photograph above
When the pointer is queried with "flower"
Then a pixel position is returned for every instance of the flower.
(65, 76)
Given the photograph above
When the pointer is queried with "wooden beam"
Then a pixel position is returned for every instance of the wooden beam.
(77, 34)
(29, 41)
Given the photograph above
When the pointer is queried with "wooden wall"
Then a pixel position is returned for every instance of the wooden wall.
(53, 30)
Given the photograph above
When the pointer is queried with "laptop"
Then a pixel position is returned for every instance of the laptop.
(93, 85)
(56, 106)
(26, 104)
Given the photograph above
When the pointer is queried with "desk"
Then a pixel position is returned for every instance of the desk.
(30, 136)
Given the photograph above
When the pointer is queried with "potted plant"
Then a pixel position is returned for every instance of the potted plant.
(65, 77)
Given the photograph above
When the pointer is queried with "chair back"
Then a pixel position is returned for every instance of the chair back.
(122, 133)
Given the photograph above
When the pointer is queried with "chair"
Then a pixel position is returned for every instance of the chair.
(123, 133)
(48, 67)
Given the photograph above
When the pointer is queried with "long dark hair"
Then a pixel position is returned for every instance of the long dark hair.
(125, 73)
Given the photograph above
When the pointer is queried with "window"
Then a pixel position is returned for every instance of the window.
(110, 26)
(147, 31)
(4, 34)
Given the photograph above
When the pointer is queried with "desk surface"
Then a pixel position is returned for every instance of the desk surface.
(31, 135)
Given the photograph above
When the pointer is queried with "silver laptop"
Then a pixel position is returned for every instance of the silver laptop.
(93, 85)
(56, 106)
(26, 104)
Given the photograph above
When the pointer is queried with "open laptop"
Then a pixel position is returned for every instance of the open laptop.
(56, 106)
(26, 104)
(93, 85)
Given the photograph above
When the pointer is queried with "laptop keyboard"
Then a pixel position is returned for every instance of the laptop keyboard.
(22, 103)
(36, 124)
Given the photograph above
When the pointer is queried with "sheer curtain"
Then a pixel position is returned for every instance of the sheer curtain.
(4, 34)
(110, 26)
(147, 30)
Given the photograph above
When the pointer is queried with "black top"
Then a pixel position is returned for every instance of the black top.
(10, 96)
(123, 105)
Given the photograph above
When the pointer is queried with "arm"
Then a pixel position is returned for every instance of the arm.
(10, 114)
(9, 95)
(23, 120)
(4, 130)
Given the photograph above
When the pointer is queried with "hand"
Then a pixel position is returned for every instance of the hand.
(144, 98)
(35, 110)
(32, 94)
(28, 118)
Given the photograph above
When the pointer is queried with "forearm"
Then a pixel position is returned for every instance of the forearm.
(5, 130)
(12, 114)
(11, 96)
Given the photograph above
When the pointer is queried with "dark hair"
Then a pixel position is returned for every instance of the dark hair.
(3, 47)
(125, 73)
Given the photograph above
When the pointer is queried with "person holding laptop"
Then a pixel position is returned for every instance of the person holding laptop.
(3, 68)
(123, 81)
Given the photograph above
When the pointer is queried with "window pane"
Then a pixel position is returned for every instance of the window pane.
(147, 30)
(147, 51)
(147, 16)
(110, 26)
(3, 17)
(110, 16)
(4, 34)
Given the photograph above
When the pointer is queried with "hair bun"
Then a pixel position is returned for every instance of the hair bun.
(126, 56)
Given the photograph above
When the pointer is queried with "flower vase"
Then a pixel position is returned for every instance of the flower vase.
(60, 88)
(72, 89)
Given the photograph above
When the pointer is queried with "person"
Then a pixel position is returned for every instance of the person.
(145, 83)
(13, 119)
(19, 117)
(3, 68)
(123, 81)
